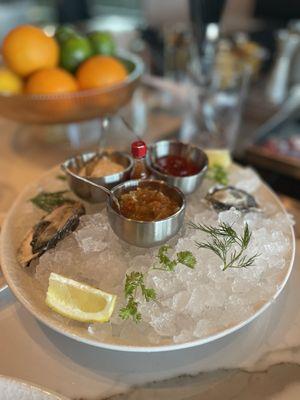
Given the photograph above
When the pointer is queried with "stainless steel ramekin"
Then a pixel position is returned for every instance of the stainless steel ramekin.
(141, 233)
(88, 192)
(187, 184)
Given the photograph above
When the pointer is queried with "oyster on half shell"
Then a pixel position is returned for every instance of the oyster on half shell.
(52, 228)
(223, 198)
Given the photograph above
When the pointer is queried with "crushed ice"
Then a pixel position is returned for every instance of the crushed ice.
(190, 303)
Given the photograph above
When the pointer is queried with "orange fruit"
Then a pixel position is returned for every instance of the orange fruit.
(50, 80)
(100, 71)
(27, 49)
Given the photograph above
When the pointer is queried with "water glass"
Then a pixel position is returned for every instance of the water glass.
(220, 104)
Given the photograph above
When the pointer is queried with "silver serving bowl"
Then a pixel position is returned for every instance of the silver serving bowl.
(146, 234)
(187, 184)
(88, 192)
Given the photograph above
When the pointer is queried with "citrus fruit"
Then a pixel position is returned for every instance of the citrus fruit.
(79, 301)
(102, 43)
(64, 32)
(50, 80)
(10, 82)
(73, 51)
(100, 71)
(218, 157)
(27, 48)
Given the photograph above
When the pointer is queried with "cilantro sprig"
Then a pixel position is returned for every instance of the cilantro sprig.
(135, 281)
(182, 257)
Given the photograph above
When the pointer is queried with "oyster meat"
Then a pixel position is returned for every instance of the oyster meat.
(223, 198)
(52, 228)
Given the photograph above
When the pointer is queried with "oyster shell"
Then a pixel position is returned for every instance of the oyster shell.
(223, 198)
(52, 228)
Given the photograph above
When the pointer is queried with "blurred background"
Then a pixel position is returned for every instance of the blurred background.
(222, 74)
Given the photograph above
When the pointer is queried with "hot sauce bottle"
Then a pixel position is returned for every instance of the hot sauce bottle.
(139, 151)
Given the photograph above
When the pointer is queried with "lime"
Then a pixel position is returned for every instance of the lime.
(10, 82)
(218, 157)
(79, 301)
(102, 43)
(63, 33)
(73, 51)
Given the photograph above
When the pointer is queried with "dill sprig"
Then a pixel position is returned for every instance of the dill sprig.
(135, 281)
(218, 174)
(223, 241)
(48, 201)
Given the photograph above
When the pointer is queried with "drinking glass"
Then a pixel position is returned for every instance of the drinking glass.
(220, 104)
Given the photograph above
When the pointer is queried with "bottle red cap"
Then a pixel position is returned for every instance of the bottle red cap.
(138, 149)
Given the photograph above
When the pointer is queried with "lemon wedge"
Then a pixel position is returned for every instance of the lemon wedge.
(218, 157)
(79, 301)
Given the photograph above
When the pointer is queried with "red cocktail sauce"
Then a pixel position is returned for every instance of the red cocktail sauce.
(176, 166)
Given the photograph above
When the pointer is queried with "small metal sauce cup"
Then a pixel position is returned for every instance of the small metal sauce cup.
(187, 184)
(88, 192)
(144, 233)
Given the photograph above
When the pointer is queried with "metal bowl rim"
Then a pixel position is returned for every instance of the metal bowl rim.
(92, 153)
(153, 145)
(181, 194)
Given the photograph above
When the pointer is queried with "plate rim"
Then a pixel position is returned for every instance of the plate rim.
(50, 323)
(3, 284)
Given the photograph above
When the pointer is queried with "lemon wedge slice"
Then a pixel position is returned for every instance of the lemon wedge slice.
(218, 157)
(79, 301)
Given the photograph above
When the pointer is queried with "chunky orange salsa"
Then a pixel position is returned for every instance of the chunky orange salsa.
(143, 204)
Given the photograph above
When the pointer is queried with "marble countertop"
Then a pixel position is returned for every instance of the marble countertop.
(260, 361)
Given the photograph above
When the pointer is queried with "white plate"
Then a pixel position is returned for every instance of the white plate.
(3, 284)
(29, 293)
(16, 389)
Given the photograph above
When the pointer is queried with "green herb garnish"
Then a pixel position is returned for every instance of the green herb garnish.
(186, 258)
(48, 201)
(135, 281)
(61, 177)
(183, 257)
(165, 262)
(222, 241)
(218, 174)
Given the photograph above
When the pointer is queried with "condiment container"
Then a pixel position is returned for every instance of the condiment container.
(163, 148)
(141, 233)
(88, 192)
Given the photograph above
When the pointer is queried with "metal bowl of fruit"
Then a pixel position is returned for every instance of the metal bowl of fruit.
(50, 84)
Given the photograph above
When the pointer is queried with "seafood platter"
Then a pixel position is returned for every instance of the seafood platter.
(166, 248)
